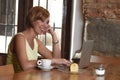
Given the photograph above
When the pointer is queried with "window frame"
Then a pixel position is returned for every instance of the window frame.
(66, 29)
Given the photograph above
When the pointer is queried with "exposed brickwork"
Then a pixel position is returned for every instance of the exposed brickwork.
(108, 9)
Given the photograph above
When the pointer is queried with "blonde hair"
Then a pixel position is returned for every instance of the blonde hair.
(36, 13)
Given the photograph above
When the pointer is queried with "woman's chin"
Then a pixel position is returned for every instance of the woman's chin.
(44, 33)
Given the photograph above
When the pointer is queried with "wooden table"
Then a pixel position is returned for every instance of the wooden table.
(112, 66)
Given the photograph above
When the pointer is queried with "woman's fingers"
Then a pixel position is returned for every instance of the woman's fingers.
(66, 62)
(61, 61)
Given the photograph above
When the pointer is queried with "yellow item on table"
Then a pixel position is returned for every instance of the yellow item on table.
(74, 68)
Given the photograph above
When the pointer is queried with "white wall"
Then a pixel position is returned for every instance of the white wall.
(77, 27)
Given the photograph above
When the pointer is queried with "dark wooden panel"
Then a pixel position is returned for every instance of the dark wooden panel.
(66, 29)
(3, 57)
(24, 6)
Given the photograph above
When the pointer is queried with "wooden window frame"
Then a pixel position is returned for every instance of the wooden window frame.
(23, 8)
(66, 29)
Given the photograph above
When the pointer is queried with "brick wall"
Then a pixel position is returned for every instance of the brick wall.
(106, 9)
(104, 25)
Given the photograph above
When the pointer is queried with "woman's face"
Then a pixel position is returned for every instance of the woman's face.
(41, 27)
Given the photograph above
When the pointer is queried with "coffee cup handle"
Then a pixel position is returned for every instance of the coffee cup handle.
(39, 62)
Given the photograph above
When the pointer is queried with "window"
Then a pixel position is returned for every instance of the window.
(63, 18)
(55, 7)
(8, 22)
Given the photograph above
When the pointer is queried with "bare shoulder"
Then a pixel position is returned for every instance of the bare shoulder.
(17, 39)
(19, 36)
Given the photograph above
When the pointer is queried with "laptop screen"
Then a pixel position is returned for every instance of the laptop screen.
(86, 53)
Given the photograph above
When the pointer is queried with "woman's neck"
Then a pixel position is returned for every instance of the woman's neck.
(29, 33)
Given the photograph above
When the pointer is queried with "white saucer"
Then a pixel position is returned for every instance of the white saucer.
(46, 69)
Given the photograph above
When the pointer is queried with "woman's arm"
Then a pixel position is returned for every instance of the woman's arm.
(56, 53)
(46, 53)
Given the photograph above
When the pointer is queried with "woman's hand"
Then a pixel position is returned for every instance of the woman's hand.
(50, 30)
(61, 61)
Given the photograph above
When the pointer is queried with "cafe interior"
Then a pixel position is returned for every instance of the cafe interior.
(75, 22)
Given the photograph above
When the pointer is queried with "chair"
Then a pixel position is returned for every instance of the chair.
(3, 57)
(6, 70)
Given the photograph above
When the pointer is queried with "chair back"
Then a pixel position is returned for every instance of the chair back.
(6, 70)
(3, 57)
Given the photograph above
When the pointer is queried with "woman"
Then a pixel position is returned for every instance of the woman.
(24, 47)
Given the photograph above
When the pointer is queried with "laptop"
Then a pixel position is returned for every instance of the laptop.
(85, 54)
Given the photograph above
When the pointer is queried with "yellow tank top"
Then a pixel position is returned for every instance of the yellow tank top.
(32, 54)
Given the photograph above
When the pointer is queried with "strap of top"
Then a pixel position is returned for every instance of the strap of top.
(20, 33)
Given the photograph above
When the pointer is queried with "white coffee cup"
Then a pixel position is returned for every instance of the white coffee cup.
(44, 63)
